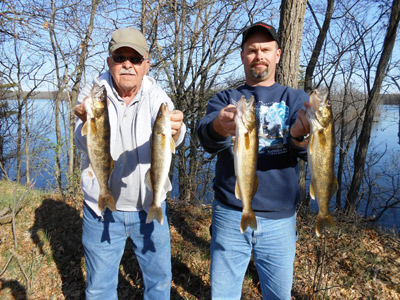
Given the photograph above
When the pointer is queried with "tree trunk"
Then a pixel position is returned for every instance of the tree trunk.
(27, 156)
(72, 153)
(290, 33)
(360, 152)
(308, 85)
(58, 143)
(19, 140)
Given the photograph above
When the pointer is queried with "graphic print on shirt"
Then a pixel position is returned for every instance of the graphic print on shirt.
(272, 127)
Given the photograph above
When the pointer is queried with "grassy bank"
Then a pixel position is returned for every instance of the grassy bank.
(44, 258)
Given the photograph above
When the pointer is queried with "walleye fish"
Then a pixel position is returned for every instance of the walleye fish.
(321, 159)
(162, 148)
(245, 151)
(97, 131)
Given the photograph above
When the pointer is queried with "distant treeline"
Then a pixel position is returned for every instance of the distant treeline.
(35, 95)
(391, 99)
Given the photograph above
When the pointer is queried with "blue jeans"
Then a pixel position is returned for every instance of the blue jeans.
(273, 245)
(104, 244)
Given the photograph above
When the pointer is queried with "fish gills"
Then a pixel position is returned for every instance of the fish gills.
(97, 131)
(321, 159)
(245, 159)
(162, 148)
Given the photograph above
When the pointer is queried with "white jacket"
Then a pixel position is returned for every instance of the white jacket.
(152, 97)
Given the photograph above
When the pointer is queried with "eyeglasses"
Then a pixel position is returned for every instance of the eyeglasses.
(134, 60)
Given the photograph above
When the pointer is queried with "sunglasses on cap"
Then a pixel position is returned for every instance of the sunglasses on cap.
(134, 60)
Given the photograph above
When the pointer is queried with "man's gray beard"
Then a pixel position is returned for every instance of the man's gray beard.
(257, 75)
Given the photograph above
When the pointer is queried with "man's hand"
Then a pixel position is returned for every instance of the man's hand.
(80, 111)
(224, 124)
(176, 118)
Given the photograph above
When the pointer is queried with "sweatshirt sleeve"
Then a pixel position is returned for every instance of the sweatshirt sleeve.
(300, 152)
(211, 141)
(80, 141)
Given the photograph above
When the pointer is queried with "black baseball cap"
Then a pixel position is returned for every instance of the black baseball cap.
(259, 26)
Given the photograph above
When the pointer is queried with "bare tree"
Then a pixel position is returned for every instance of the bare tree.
(192, 43)
(69, 57)
(323, 31)
(290, 33)
(20, 71)
(360, 152)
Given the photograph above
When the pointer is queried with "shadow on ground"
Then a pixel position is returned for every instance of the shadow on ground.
(62, 225)
(18, 291)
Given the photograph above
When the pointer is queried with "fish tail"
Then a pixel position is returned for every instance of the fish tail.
(248, 220)
(107, 200)
(324, 223)
(155, 213)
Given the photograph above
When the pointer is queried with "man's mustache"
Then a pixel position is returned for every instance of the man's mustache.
(125, 71)
(259, 63)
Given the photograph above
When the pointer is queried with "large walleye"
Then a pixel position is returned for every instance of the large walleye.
(97, 130)
(162, 148)
(321, 159)
(245, 159)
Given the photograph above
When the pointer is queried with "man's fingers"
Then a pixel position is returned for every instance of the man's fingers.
(176, 116)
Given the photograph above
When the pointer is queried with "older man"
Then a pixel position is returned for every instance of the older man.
(281, 127)
(134, 100)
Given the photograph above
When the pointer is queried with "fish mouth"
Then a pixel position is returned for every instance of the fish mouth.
(99, 92)
(163, 109)
(317, 101)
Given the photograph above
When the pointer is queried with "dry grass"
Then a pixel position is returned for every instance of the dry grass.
(47, 262)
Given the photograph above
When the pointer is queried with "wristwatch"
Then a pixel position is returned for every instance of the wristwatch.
(300, 138)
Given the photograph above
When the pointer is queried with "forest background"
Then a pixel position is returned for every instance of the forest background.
(349, 49)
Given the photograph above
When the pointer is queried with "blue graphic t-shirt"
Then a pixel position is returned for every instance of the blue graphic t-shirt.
(272, 125)
(277, 170)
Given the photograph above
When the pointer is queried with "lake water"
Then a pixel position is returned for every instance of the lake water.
(384, 139)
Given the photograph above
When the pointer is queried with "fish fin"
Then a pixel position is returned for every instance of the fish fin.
(163, 138)
(167, 185)
(248, 220)
(255, 187)
(155, 213)
(247, 140)
(324, 223)
(84, 129)
(107, 200)
(237, 191)
(235, 144)
(90, 171)
(147, 180)
(310, 147)
(93, 126)
(312, 193)
(172, 145)
(335, 186)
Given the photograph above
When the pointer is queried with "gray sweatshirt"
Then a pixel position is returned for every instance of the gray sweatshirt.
(130, 153)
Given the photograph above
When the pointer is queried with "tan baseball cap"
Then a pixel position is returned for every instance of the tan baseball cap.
(128, 37)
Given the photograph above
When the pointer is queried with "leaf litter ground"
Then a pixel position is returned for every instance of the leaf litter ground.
(357, 262)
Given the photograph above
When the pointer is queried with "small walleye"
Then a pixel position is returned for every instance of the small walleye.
(162, 148)
(245, 151)
(321, 159)
(97, 131)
